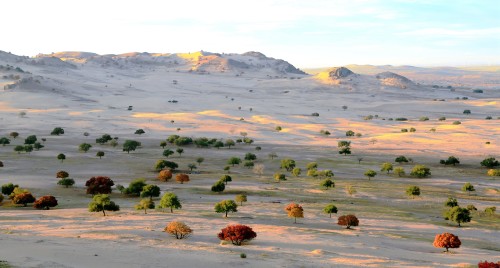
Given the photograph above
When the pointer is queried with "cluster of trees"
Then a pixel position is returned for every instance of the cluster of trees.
(19, 196)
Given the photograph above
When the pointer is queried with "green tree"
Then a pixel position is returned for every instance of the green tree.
(370, 174)
(135, 187)
(85, 147)
(229, 143)
(100, 154)
(468, 187)
(150, 191)
(273, 155)
(451, 202)
(413, 191)
(200, 160)
(450, 161)
(102, 202)
(161, 164)
(312, 165)
(344, 147)
(218, 144)
(288, 164)
(139, 131)
(4, 141)
(145, 204)
(28, 148)
(61, 157)
(241, 198)
(226, 179)
(278, 176)
(226, 206)
(14, 134)
(234, 161)
(168, 153)
(420, 171)
(163, 144)
(38, 146)
(296, 171)
(170, 200)
(490, 162)
(19, 149)
(349, 133)
(30, 139)
(218, 186)
(399, 171)
(66, 182)
(386, 167)
(130, 145)
(179, 151)
(327, 183)
(401, 159)
(458, 215)
(329, 209)
(8, 188)
(57, 131)
(250, 156)
(191, 166)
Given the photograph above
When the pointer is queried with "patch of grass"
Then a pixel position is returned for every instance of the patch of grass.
(5, 264)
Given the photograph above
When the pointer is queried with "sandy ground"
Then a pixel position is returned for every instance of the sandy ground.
(394, 231)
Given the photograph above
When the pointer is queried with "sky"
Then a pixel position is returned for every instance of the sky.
(307, 33)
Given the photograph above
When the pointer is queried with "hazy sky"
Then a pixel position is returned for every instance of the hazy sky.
(307, 33)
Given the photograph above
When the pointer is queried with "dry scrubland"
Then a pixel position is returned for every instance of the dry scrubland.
(219, 100)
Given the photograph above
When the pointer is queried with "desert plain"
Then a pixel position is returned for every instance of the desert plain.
(285, 112)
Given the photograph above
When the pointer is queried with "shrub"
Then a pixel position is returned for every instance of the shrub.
(413, 191)
(139, 131)
(170, 200)
(490, 162)
(241, 198)
(99, 185)
(420, 171)
(456, 123)
(288, 164)
(413, 129)
(145, 204)
(19, 149)
(278, 177)
(102, 202)
(349, 133)
(23, 198)
(130, 145)
(451, 202)
(446, 240)
(278, 128)
(45, 202)
(234, 161)
(493, 172)
(295, 211)
(84, 147)
(424, 118)
(250, 156)
(467, 112)
(30, 139)
(243, 255)
(4, 141)
(135, 187)
(168, 153)
(490, 210)
(66, 182)
(226, 179)
(226, 206)
(312, 165)
(178, 229)
(57, 131)
(471, 207)
(237, 234)
(442, 118)
(296, 171)
(329, 209)
(165, 175)
(401, 119)
(182, 178)
(161, 164)
(468, 187)
(344, 147)
(348, 221)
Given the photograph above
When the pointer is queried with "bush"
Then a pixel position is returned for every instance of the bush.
(413, 191)
(348, 221)
(218, 187)
(161, 164)
(243, 255)
(99, 185)
(424, 118)
(493, 172)
(490, 210)
(61, 174)
(450, 161)
(401, 159)
(225, 179)
(135, 187)
(84, 147)
(456, 123)
(178, 229)
(288, 164)
(102, 202)
(349, 133)
(451, 202)
(139, 131)
(344, 147)
(370, 174)
(296, 171)
(30, 139)
(386, 167)
(250, 156)
(278, 177)
(399, 171)
(467, 112)
(57, 131)
(458, 215)
(66, 182)
(295, 211)
(237, 234)
(130, 145)
(446, 240)
(23, 198)
(420, 171)
(327, 183)
(401, 119)
(241, 198)
(145, 204)
(45, 202)
(468, 187)
(442, 118)
(329, 209)
(8, 188)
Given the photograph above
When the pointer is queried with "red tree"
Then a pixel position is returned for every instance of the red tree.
(182, 178)
(237, 234)
(99, 185)
(45, 202)
(447, 240)
(348, 221)
(165, 175)
(486, 264)
(23, 198)
(61, 174)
